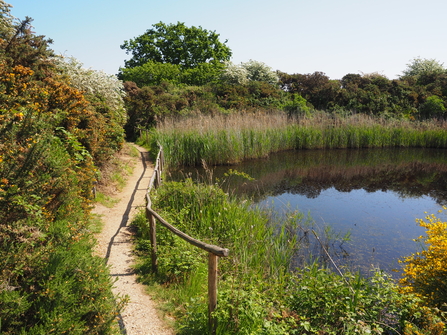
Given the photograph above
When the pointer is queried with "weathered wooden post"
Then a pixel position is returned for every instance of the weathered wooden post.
(162, 160)
(152, 235)
(159, 173)
(212, 291)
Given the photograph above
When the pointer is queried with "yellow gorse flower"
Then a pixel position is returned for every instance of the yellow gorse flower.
(425, 272)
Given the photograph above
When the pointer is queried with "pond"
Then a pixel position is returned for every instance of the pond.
(363, 203)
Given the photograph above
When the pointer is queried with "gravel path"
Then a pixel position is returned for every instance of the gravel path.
(115, 244)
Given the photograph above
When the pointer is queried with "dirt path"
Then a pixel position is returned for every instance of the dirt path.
(115, 244)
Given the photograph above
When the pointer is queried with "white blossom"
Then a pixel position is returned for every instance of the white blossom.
(250, 71)
(108, 88)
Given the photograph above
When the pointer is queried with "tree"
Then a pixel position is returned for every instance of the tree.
(176, 44)
(6, 20)
(419, 66)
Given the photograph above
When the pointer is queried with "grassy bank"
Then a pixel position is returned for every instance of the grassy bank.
(258, 292)
(227, 139)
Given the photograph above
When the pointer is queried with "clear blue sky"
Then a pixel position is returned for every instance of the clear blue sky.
(336, 37)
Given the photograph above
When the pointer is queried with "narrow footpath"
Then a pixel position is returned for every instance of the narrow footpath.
(140, 316)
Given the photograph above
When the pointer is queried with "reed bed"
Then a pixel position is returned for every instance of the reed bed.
(229, 139)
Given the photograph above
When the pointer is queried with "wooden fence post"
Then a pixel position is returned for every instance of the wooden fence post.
(159, 174)
(212, 291)
(162, 161)
(152, 235)
(156, 183)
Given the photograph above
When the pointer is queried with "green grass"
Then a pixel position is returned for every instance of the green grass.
(106, 200)
(95, 224)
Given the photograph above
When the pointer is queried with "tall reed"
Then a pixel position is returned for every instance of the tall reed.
(228, 139)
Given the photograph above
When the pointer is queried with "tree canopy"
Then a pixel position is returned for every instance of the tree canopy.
(176, 44)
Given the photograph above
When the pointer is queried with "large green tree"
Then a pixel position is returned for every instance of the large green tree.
(176, 44)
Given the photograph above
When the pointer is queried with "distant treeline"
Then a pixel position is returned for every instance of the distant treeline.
(412, 97)
(175, 69)
(417, 96)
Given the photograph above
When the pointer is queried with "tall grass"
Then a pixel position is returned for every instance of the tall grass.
(228, 139)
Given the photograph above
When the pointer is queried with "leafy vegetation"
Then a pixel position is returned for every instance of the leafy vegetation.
(60, 122)
(258, 294)
(175, 53)
(54, 133)
(215, 85)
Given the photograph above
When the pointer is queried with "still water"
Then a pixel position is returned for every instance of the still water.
(363, 203)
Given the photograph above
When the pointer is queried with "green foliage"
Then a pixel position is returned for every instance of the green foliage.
(203, 73)
(174, 53)
(43, 201)
(328, 303)
(207, 213)
(149, 105)
(419, 66)
(432, 107)
(51, 136)
(176, 44)
(254, 86)
(296, 106)
(152, 73)
(368, 93)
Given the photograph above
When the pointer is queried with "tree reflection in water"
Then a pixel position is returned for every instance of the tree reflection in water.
(373, 195)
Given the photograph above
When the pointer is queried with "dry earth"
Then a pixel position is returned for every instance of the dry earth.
(140, 315)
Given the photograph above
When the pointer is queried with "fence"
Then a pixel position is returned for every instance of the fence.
(213, 251)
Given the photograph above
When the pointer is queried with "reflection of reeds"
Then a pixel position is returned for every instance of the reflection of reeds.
(226, 139)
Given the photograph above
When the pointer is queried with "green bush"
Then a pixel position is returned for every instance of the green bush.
(432, 107)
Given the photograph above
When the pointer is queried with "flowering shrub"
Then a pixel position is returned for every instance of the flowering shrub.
(94, 83)
(52, 133)
(250, 71)
(234, 74)
(425, 273)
